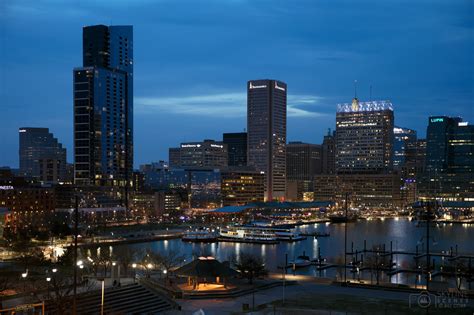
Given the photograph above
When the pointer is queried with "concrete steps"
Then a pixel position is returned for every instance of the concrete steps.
(130, 299)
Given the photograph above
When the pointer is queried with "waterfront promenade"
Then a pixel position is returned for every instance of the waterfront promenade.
(323, 296)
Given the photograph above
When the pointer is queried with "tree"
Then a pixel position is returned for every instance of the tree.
(125, 256)
(167, 261)
(250, 266)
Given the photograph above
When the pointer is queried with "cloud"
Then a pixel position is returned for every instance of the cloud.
(225, 105)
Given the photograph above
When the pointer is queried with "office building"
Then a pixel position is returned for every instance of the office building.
(42, 157)
(236, 148)
(364, 190)
(206, 154)
(202, 185)
(328, 153)
(240, 187)
(266, 133)
(438, 154)
(303, 162)
(30, 206)
(103, 107)
(449, 170)
(404, 139)
(364, 157)
(364, 137)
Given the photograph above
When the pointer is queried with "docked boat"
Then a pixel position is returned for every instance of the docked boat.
(300, 262)
(248, 234)
(341, 218)
(200, 236)
(282, 232)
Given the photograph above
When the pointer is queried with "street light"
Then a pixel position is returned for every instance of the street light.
(134, 266)
(55, 270)
(48, 279)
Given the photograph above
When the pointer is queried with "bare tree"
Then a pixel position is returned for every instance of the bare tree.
(125, 257)
(250, 266)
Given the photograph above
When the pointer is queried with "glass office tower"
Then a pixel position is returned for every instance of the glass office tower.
(236, 148)
(103, 107)
(266, 133)
(404, 138)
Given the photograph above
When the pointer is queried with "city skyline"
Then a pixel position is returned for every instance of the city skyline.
(213, 102)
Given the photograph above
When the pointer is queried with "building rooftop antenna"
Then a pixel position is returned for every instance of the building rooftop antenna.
(355, 88)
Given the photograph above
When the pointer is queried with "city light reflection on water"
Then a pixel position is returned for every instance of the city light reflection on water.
(403, 233)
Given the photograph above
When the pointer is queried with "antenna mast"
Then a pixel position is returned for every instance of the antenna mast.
(355, 88)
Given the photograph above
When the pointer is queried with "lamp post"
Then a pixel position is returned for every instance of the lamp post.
(23, 276)
(102, 296)
(134, 266)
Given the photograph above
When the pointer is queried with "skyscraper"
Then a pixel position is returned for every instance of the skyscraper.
(236, 148)
(328, 153)
(41, 155)
(303, 162)
(404, 139)
(103, 107)
(364, 137)
(439, 130)
(266, 129)
(449, 170)
(364, 148)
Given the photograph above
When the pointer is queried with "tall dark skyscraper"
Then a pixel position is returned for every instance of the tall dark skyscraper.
(103, 107)
(439, 130)
(266, 129)
(236, 148)
(328, 153)
(449, 170)
(404, 138)
(303, 161)
(41, 155)
(364, 137)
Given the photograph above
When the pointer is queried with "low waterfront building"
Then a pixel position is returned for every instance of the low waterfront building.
(365, 190)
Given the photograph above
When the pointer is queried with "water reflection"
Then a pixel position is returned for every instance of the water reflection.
(403, 233)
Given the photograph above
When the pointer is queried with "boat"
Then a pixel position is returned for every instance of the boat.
(248, 234)
(300, 262)
(341, 218)
(200, 236)
(282, 232)
(259, 234)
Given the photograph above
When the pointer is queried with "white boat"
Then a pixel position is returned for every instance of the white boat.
(248, 234)
(203, 236)
(259, 234)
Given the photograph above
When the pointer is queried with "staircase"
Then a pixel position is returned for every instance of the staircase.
(130, 299)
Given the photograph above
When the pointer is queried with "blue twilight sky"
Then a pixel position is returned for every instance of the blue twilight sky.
(192, 60)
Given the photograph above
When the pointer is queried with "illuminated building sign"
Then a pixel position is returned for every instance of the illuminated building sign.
(463, 124)
(437, 119)
(217, 146)
(365, 107)
(251, 86)
(22, 130)
(6, 187)
(279, 87)
(188, 145)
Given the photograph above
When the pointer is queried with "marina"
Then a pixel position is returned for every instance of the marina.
(326, 253)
